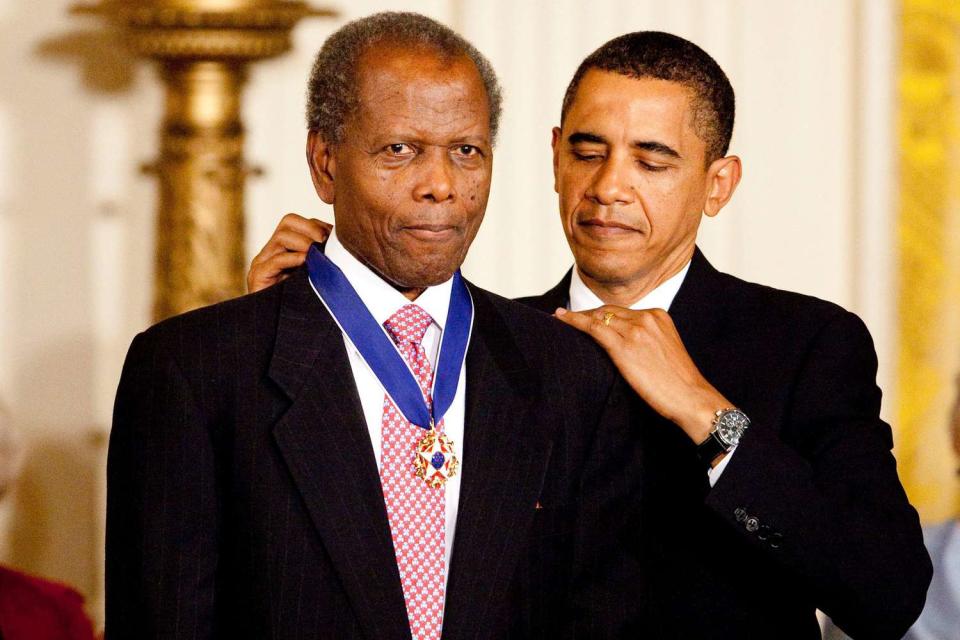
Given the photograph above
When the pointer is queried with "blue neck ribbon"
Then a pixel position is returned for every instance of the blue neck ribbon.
(379, 351)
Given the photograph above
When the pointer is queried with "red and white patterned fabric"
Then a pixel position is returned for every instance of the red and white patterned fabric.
(415, 510)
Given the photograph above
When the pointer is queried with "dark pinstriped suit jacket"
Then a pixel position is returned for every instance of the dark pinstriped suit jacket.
(244, 499)
(809, 513)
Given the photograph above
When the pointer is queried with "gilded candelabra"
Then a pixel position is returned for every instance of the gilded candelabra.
(202, 48)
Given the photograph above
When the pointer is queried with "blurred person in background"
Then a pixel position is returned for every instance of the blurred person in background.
(32, 608)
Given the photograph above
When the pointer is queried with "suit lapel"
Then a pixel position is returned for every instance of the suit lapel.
(506, 452)
(699, 320)
(695, 310)
(325, 442)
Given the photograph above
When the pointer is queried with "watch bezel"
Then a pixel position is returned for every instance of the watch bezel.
(730, 425)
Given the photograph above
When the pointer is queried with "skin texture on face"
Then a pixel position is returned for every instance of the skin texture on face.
(632, 182)
(409, 182)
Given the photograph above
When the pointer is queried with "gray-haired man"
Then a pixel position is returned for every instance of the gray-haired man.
(271, 472)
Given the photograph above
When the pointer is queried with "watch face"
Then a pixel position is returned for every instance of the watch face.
(731, 425)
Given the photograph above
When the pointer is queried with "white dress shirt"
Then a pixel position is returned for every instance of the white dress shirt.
(583, 299)
(382, 300)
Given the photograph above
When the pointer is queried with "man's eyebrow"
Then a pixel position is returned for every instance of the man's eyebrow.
(652, 146)
(657, 147)
(583, 136)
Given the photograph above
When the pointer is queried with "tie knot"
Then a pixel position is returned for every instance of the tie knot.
(408, 324)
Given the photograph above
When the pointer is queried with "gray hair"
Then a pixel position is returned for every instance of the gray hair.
(11, 454)
(332, 94)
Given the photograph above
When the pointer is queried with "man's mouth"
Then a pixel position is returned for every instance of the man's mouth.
(606, 228)
(432, 232)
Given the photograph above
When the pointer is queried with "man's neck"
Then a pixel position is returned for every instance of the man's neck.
(410, 293)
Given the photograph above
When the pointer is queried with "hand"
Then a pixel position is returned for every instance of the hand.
(648, 352)
(285, 250)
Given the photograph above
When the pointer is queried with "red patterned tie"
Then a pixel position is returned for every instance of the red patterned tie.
(415, 510)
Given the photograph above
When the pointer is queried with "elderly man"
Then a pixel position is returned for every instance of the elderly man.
(771, 490)
(374, 448)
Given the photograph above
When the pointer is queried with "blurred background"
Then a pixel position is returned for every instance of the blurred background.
(848, 125)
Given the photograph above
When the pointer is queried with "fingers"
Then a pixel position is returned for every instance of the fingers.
(294, 233)
(292, 240)
(315, 230)
(286, 249)
(592, 323)
(284, 261)
(613, 317)
(282, 241)
(272, 270)
(619, 319)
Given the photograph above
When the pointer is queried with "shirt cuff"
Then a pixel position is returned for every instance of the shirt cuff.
(714, 472)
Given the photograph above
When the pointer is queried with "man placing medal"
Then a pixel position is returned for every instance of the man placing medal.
(375, 448)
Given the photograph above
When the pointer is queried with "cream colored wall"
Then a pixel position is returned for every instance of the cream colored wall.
(77, 118)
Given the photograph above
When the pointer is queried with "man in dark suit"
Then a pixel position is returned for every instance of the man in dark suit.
(261, 477)
(770, 486)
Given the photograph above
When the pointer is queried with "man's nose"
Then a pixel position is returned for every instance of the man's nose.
(610, 184)
(436, 177)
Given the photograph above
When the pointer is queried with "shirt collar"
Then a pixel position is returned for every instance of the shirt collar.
(582, 298)
(377, 295)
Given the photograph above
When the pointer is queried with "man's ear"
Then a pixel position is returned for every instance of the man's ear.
(555, 143)
(323, 166)
(723, 176)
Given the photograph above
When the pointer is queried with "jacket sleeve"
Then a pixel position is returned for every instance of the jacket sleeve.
(819, 495)
(162, 503)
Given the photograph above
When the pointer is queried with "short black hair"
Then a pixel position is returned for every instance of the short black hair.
(664, 56)
(332, 91)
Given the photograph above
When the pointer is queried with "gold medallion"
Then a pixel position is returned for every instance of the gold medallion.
(434, 459)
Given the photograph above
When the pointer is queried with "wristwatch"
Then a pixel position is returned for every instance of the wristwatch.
(728, 427)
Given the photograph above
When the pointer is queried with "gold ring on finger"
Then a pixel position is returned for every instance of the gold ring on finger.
(607, 317)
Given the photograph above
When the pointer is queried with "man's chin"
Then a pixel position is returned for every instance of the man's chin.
(421, 276)
(600, 265)
(605, 268)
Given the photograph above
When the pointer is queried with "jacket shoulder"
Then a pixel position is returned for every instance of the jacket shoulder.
(539, 336)
(250, 309)
(770, 307)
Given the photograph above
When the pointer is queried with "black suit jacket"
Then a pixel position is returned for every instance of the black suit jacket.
(809, 513)
(244, 499)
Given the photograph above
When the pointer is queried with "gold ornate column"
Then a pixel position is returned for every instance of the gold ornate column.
(202, 48)
(929, 253)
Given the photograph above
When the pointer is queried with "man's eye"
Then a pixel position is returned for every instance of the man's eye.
(399, 148)
(468, 150)
(587, 155)
(652, 167)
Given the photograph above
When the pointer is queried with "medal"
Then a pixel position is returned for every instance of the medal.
(434, 458)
